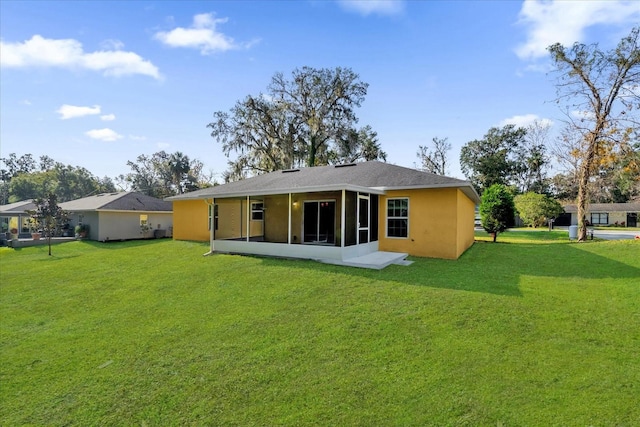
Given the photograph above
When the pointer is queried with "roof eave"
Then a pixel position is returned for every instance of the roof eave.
(273, 192)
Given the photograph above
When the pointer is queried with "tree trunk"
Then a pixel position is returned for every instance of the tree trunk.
(583, 183)
(311, 161)
(495, 236)
(582, 206)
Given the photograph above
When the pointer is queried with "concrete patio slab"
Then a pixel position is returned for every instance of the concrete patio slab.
(375, 260)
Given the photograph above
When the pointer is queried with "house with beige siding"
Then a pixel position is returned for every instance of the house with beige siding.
(620, 214)
(332, 213)
(121, 215)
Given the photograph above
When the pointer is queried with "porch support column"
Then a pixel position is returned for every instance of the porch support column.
(289, 223)
(248, 219)
(210, 206)
(343, 217)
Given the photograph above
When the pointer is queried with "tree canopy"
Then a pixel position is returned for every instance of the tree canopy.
(307, 119)
(536, 209)
(491, 160)
(162, 174)
(23, 179)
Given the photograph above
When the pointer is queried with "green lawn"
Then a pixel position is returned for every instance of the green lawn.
(531, 330)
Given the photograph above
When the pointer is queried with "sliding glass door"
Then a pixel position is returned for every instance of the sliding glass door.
(319, 221)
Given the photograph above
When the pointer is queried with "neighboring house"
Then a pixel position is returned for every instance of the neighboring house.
(121, 216)
(14, 217)
(622, 214)
(332, 212)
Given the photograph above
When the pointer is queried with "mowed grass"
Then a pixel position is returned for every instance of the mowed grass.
(526, 331)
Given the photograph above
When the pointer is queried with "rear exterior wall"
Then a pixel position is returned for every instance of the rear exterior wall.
(190, 220)
(440, 223)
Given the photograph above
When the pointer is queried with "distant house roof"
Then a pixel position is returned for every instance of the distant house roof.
(373, 176)
(17, 207)
(606, 207)
(121, 201)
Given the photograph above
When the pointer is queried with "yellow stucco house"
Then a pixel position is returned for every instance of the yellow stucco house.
(332, 213)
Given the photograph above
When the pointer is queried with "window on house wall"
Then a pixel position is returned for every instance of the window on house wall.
(257, 211)
(599, 218)
(24, 226)
(213, 210)
(398, 217)
(144, 220)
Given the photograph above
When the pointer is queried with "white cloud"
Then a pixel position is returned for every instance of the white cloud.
(72, 111)
(525, 120)
(108, 117)
(137, 138)
(163, 145)
(105, 134)
(25, 102)
(68, 53)
(201, 35)
(555, 21)
(367, 7)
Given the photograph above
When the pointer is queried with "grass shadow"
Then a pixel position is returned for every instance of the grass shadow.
(119, 244)
(495, 268)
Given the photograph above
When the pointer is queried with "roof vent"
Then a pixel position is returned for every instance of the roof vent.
(344, 165)
(290, 170)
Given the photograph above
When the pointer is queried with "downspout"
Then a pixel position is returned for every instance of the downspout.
(211, 225)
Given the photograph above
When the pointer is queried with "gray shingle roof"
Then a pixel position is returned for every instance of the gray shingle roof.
(371, 175)
(606, 207)
(122, 201)
(18, 207)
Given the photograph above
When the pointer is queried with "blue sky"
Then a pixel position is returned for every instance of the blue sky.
(96, 84)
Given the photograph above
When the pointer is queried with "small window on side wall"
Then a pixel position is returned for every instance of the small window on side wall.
(213, 210)
(398, 217)
(144, 220)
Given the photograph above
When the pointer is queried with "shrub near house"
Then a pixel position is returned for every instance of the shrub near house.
(536, 209)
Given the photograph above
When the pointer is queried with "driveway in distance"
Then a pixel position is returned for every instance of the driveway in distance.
(615, 234)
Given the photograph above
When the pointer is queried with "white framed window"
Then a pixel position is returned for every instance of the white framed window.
(398, 217)
(144, 220)
(257, 211)
(599, 218)
(213, 210)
